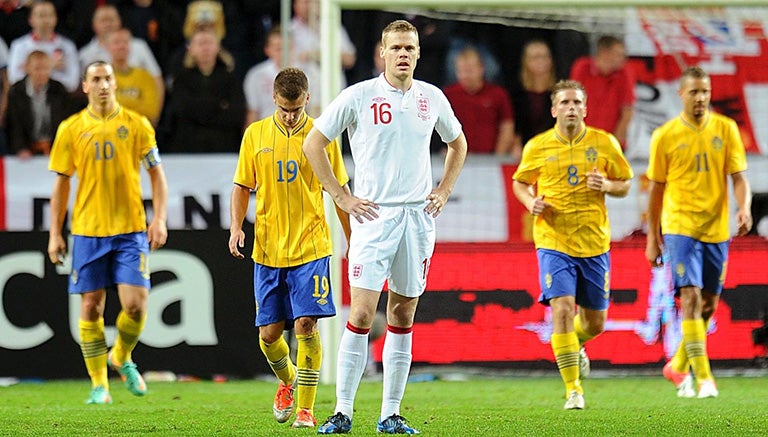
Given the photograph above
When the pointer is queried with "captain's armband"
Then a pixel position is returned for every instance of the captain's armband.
(151, 159)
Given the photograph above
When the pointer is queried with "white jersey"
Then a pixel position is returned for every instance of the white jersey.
(389, 134)
(57, 47)
(3, 54)
(305, 50)
(139, 55)
(257, 88)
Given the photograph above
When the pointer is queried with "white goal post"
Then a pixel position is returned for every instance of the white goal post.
(330, 74)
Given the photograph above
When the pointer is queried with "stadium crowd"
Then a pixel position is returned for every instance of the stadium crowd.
(201, 92)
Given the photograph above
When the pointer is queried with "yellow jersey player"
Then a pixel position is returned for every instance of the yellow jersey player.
(292, 242)
(691, 158)
(573, 167)
(104, 145)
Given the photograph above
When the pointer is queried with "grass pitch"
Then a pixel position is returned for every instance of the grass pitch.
(515, 406)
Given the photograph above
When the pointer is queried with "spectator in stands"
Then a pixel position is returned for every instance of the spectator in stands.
(306, 49)
(206, 105)
(607, 80)
(157, 23)
(258, 83)
(4, 87)
(483, 108)
(36, 106)
(136, 88)
(378, 61)
(531, 95)
(42, 20)
(14, 19)
(201, 15)
(71, 15)
(105, 21)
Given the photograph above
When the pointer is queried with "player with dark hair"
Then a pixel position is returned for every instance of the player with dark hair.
(691, 158)
(104, 145)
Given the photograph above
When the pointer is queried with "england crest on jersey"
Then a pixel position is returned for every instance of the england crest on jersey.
(423, 105)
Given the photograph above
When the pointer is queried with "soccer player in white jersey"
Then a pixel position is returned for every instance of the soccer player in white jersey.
(389, 120)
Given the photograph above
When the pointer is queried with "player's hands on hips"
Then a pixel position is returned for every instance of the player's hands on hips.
(57, 249)
(157, 234)
(436, 201)
(236, 241)
(360, 209)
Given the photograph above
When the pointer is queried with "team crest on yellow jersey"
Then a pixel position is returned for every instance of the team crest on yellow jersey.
(548, 280)
(122, 132)
(717, 143)
(591, 155)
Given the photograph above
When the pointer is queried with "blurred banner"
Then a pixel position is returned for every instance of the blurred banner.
(729, 43)
(200, 316)
(481, 209)
(480, 309)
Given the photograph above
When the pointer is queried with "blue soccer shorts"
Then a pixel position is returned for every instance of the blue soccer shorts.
(287, 293)
(586, 279)
(100, 262)
(698, 264)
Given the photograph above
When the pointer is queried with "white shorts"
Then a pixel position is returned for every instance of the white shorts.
(397, 246)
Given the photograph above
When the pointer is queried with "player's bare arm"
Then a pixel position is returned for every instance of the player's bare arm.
(454, 161)
(57, 246)
(743, 194)
(238, 206)
(314, 150)
(536, 205)
(157, 232)
(344, 217)
(654, 242)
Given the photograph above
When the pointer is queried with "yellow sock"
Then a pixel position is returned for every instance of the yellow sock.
(566, 349)
(582, 335)
(278, 359)
(309, 355)
(680, 361)
(94, 348)
(695, 341)
(128, 331)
